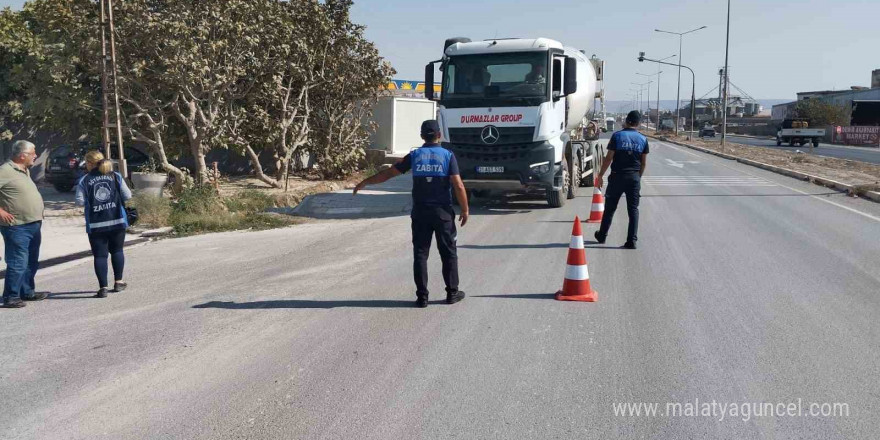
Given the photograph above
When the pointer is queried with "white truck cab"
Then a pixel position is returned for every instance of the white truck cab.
(512, 111)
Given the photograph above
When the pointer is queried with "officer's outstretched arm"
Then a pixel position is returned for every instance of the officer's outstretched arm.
(461, 196)
(377, 178)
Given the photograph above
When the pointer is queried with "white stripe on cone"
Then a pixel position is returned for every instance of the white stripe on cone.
(577, 242)
(598, 207)
(576, 273)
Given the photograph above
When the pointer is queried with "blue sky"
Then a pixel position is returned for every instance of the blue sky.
(778, 47)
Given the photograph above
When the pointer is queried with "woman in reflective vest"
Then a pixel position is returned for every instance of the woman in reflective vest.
(103, 193)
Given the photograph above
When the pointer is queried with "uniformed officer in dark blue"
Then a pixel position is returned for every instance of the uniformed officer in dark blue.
(627, 155)
(435, 176)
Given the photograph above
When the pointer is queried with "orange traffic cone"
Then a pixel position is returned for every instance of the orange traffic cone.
(598, 207)
(576, 286)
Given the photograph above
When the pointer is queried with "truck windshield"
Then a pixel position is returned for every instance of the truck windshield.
(504, 75)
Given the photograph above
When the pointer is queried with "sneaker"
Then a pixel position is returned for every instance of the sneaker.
(38, 296)
(452, 298)
(422, 302)
(629, 245)
(102, 293)
(119, 286)
(599, 238)
(13, 303)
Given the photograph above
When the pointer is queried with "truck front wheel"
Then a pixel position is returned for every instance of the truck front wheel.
(556, 198)
(816, 143)
(574, 177)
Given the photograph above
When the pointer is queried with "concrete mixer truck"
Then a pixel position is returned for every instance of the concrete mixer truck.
(514, 112)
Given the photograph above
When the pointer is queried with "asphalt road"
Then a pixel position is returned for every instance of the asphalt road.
(864, 154)
(747, 287)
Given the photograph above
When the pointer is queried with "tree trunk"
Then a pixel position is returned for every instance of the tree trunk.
(258, 169)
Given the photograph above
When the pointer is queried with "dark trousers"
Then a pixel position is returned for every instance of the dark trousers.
(104, 244)
(439, 221)
(22, 244)
(618, 185)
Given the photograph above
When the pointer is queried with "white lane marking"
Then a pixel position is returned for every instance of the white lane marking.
(679, 163)
(576, 273)
(718, 162)
(705, 181)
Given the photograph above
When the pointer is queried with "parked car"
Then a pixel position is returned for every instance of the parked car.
(66, 163)
(707, 131)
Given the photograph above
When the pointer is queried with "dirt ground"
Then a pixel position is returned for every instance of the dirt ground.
(865, 175)
(297, 189)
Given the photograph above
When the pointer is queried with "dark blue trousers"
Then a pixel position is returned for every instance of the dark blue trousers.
(428, 222)
(618, 185)
(22, 244)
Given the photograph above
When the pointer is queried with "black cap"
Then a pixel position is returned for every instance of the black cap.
(633, 117)
(430, 127)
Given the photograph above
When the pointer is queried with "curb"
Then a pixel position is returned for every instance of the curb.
(851, 190)
(76, 256)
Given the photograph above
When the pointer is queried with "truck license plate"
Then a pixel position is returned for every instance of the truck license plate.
(489, 170)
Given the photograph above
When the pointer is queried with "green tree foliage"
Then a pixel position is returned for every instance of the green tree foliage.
(47, 80)
(356, 74)
(263, 77)
(821, 113)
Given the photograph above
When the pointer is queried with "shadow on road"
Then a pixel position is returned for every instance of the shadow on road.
(72, 295)
(740, 195)
(521, 296)
(309, 304)
(514, 246)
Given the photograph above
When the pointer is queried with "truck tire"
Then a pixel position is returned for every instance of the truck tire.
(815, 143)
(574, 177)
(63, 187)
(597, 156)
(556, 198)
(778, 142)
(791, 143)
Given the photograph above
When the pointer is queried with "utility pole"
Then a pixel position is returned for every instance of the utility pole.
(112, 118)
(726, 80)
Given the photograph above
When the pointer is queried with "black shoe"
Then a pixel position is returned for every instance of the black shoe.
(422, 302)
(119, 287)
(599, 238)
(13, 303)
(39, 296)
(452, 298)
(102, 293)
(629, 245)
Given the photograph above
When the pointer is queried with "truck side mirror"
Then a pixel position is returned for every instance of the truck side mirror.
(571, 84)
(557, 78)
(429, 81)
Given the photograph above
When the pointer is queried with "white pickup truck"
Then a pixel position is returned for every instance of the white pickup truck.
(797, 132)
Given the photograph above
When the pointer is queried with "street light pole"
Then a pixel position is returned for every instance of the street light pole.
(693, 85)
(641, 87)
(726, 79)
(678, 94)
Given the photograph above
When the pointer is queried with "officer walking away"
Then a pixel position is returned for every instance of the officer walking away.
(435, 175)
(627, 155)
(21, 221)
(103, 192)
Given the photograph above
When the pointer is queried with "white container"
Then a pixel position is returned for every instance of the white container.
(399, 121)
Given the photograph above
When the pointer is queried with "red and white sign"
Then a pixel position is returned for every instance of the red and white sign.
(857, 135)
(491, 118)
(481, 117)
